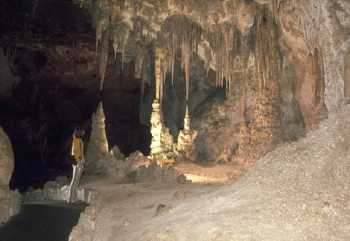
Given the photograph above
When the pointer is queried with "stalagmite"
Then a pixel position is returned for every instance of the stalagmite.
(103, 63)
(98, 145)
(156, 128)
(156, 116)
(162, 141)
(185, 143)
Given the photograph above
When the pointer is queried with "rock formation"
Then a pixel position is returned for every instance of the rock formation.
(97, 147)
(279, 66)
(186, 140)
(156, 129)
(229, 36)
(162, 141)
(6, 170)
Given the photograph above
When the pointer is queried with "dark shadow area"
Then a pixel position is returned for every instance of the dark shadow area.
(47, 51)
(123, 102)
(39, 222)
(49, 16)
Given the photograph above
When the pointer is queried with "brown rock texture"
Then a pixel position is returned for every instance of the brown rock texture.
(6, 169)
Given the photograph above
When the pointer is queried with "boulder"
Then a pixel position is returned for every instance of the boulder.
(7, 163)
(6, 170)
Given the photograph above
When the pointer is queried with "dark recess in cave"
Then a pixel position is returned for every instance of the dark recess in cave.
(44, 107)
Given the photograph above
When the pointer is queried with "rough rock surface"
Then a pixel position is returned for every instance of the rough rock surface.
(155, 173)
(7, 162)
(300, 191)
(6, 170)
(52, 191)
(85, 228)
(243, 40)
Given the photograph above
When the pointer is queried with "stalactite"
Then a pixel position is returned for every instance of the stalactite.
(309, 23)
(159, 73)
(139, 61)
(103, 62)
(267, 55)
(225, 42)
(120, 37)
(186, 62)
(181, 36)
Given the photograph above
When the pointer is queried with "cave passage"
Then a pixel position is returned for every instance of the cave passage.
(42, 222)
(127, 111)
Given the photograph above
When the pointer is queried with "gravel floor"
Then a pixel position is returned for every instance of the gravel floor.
(300, 191)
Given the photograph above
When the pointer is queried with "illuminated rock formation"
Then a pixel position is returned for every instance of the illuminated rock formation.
(162, 141)
(156, 116)
(185, 141)
(97, 147)
(228, 40)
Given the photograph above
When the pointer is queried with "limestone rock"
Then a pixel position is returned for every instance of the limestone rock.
(98, 145)
(138, 160)
(62, 180)
(156, 173)
(6, 159)
(85, 228)
(156, 128)
(4, 203)
(162, 141)
(52, 191)
(6, 170)
(186, 140)
(16, 200)
(117, 153)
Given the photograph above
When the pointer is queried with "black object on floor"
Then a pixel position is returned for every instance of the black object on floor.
(42, 222)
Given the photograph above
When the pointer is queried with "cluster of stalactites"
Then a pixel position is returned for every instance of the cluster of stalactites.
(113, 29)
(268, 59)
(181, 36)
(310, 25)
(309, 19)
(225, 43)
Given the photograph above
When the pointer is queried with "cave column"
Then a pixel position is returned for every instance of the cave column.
(156, 116)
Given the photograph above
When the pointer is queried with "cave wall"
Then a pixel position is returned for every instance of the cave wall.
(303, 29)
(347, 76)
(49, 86)
(250, 90)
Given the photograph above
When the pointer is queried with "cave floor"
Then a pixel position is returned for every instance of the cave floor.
(299, 191)
(42, 222)
(124, 208)
(211, 174)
